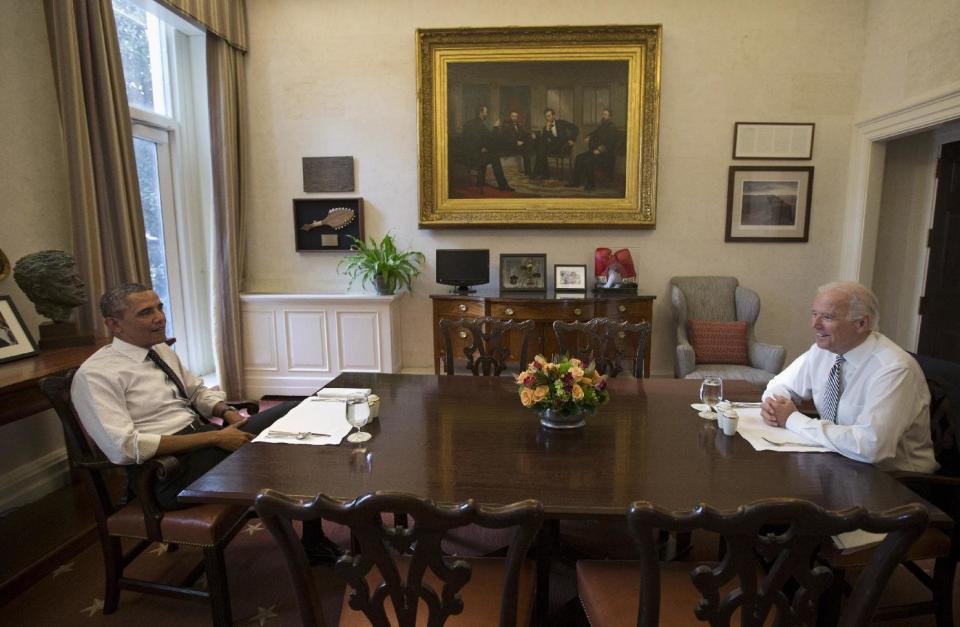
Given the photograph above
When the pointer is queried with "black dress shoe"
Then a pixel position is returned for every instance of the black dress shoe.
(323, 551)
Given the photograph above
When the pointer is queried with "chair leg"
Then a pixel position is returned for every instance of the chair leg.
(217, 586)
(943, 574)
(113, 570)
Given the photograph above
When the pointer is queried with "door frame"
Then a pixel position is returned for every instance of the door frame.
(865, 182)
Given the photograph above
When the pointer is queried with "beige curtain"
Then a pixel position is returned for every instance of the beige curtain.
(225, 18)
(108, 233)
(228, 138)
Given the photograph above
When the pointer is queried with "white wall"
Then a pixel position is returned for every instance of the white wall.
(912, 52)
(35, 213)
(338, 78)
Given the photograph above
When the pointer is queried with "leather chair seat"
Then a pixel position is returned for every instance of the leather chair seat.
(610, 592)
(481, 596)
(201, 525)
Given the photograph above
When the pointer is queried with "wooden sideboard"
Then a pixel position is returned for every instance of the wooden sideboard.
(543, 309)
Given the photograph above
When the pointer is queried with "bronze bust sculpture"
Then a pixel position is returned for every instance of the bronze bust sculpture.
(50, 280)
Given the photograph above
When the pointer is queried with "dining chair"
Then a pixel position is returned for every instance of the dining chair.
(209, 527)
(606, 342)
(769, 570)
(943, 490)
(485, 343)
(396, 572)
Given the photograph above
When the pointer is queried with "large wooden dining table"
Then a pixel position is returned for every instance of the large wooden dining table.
(451, 438)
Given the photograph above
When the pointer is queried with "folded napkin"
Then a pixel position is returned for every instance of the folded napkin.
(754, 430)
(311, 416)
(343, 392)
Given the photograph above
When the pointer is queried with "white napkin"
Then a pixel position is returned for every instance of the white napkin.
(311, 415)
(343, 392)
(754, 429)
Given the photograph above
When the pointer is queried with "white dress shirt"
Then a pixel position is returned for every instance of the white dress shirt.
(125, 402)
(884, 413)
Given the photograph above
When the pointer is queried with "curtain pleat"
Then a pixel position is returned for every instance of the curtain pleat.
(108, 232)
(228, 139)
(225, 18)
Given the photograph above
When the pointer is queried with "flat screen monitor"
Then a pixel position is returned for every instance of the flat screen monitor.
(463, 268)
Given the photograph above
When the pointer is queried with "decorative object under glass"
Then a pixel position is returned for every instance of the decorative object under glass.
(564, 393)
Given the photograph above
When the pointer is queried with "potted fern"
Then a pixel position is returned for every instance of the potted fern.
(381, 265)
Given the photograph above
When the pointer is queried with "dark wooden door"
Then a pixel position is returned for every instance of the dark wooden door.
(940, 306)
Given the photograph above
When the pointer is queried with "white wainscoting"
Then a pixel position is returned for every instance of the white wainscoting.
(295, 343)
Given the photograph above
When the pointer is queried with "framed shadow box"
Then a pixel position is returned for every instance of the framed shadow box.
(323, 224)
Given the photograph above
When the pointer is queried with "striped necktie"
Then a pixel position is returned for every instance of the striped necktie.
(153, 356)
(831, 395)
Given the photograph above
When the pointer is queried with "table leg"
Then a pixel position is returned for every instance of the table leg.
(548, 540)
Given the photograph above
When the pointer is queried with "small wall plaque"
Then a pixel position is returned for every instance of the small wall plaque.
(322, 224)
(327, 174)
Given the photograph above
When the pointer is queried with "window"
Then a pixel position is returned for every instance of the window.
(595, 100)
(163, 60)
(561, 101)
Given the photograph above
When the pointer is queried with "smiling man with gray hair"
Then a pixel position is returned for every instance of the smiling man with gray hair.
(871, 394)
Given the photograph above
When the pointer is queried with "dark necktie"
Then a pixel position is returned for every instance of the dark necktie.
(153, 356)
(831, 396)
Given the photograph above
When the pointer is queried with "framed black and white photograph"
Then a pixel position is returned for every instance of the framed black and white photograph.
(15, 341)
(570, 278)
(773, 140)
(769, 204)
(523, 273)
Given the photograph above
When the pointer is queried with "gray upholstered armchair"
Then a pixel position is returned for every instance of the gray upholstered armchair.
(720, 298)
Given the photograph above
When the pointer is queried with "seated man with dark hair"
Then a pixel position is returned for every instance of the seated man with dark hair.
(136, 400)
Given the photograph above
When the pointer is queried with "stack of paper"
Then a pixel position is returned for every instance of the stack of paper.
(343, 392)
(763, 437)
(857, 540)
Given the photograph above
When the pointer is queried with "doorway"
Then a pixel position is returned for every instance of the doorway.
(940, 324)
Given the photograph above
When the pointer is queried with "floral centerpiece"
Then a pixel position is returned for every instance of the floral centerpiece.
(563, 393)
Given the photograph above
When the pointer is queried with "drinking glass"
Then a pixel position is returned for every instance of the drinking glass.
(711, 393)
(358, 415)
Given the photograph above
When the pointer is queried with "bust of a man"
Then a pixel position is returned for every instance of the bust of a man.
(49, 279)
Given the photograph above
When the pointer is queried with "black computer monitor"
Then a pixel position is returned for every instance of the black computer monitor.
(463, 268)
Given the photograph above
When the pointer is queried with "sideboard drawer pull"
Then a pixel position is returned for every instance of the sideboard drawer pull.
(463, 334)
(621, 308)
(508, 311)
(621, 335)
(462, 307)
(577, 311)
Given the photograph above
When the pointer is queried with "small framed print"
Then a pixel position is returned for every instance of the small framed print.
(769, 204)
(773, 140)
(15, 341)
(323, 224)
(523, 273)
(570, 278)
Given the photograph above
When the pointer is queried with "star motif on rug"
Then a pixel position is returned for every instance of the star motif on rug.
(264, 614)
(253, 527)
(160, 549)
(63, 569)
(96, 606)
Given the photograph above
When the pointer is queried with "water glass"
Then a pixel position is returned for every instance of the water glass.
(711, 393)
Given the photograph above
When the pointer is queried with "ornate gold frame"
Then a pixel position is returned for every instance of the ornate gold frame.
(639, 46)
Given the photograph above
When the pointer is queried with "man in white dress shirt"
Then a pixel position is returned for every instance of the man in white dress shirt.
(136, 400)
(872, 396)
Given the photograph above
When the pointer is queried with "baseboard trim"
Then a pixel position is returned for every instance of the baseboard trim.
(34, 480)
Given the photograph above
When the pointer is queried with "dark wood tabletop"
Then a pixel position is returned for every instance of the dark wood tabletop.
(453, 438)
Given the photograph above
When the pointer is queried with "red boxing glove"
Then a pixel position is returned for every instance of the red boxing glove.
(625, 260)
(601, 260)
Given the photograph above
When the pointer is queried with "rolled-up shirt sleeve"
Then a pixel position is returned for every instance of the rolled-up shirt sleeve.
(874, 436)
(102, 410)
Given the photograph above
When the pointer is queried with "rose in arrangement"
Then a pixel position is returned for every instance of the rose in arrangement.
(563, 386)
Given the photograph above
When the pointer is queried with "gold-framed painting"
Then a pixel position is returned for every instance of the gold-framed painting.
(538, 126)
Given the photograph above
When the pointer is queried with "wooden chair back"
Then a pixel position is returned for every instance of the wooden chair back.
(770, 544)
(381, 544)
(488, 343)
(605, 342)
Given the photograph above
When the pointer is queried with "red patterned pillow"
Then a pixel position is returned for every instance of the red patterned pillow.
(717, 342)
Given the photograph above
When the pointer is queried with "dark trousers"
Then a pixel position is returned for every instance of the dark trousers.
(196, 463)
(494, 162)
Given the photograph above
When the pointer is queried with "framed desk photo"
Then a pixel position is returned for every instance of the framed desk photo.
(569, 278)
(15, 340)
(769, 203)
(545, 127)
